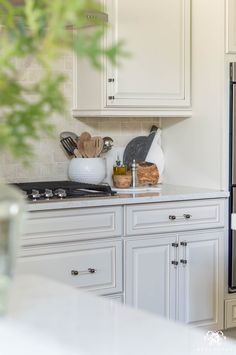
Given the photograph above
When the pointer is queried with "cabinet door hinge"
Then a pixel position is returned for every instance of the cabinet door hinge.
(111, 97)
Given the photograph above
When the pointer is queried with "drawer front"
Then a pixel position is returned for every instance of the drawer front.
(174, 216)
(72, 224)
(92, 266)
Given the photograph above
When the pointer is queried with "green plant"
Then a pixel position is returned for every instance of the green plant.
(40, 30)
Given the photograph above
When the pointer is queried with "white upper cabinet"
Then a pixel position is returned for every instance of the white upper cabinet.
(154, 79)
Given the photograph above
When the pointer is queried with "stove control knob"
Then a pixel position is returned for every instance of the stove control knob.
(61, 193)
(48, 194)
(35, 194)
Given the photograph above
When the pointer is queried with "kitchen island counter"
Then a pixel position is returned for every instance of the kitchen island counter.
(85, 324)
(167, 193)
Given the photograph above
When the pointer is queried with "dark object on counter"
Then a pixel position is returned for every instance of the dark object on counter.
(137, 149)
(62, 190)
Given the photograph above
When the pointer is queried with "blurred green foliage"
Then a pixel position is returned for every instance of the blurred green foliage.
(40, 31)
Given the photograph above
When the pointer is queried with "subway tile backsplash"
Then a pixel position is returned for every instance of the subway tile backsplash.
(50, 162)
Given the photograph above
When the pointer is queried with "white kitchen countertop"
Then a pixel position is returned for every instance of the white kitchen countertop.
(166, 194)
(46, 312)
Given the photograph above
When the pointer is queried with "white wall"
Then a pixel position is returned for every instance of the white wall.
(195, 148)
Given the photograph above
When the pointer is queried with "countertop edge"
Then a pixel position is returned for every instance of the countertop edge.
(127, 199)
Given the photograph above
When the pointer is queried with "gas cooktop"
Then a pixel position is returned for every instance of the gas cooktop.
(61, 190)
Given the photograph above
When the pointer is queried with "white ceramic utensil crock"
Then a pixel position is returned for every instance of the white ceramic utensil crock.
(89, 170)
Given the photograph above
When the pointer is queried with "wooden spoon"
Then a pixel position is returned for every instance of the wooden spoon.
(84, 137)
(98, 145)
(90, 148)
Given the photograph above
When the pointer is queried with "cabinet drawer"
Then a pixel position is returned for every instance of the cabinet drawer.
(174, 216)
(93, 266)
(72, 224)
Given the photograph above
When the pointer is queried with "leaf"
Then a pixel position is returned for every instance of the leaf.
(37, 31)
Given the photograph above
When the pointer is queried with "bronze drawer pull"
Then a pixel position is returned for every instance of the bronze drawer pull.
(184, 216)
(187, 216)
(84, 272)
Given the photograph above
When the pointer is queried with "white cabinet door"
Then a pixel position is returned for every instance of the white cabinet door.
(154, 79)
(201, 268)
(157, 36)
(150, 278)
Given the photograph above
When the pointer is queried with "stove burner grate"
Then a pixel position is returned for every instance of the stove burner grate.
(53, 190)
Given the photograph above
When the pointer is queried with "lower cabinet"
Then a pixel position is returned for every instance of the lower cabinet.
(150, 277)
(177, 276)
(165, 258)
(201, 286)
(94, 266)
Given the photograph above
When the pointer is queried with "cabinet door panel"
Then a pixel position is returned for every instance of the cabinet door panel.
(157, 38)
(150, 276)
(200, 280)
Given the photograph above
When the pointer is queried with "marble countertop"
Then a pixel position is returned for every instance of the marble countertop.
(167, 193)
(47, 316)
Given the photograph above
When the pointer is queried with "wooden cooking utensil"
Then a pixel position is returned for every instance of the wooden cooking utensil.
(84, 137)
(90, 148)
(77, 153)
(98, 145)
